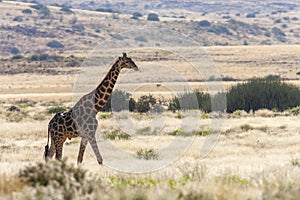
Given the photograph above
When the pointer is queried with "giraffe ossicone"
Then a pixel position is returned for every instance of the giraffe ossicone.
(80, 120)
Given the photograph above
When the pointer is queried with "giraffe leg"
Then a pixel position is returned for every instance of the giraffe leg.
(58, 147)
(83, 144)
(92, 141)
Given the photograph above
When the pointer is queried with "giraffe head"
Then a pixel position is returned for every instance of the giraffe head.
(125, 62)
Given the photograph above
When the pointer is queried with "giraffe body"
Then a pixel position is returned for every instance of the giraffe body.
(80, 120)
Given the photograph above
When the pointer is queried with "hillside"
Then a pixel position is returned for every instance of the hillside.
(27, 28)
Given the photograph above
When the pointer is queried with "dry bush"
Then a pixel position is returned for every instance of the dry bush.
(264, 113)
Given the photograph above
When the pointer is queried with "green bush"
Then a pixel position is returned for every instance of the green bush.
(56, 109)
(262, 93)
(118, 101)
(191, 100)
(145, 103)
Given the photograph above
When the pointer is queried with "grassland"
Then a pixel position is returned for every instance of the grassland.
(257, 155)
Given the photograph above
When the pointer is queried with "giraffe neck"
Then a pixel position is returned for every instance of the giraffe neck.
(105, 88)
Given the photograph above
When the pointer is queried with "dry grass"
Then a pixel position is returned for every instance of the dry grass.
(257, 163)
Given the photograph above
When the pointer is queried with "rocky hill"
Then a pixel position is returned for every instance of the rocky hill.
(77, 26)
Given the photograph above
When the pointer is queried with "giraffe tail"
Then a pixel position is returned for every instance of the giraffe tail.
(47, 147)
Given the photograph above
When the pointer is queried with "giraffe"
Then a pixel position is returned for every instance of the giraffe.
(80, 120)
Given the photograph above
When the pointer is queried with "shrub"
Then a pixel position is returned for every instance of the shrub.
(109, 10)
(105, 115)
(78, 27)
(294, 111)
(246, 127)
(157, 108)
(45, 57)
(136, 15)
(204, 23)
(272, 77)
(17, 57)
(239, 113)
(147, 154)
(220, 29)
(117, 135)
(13, 109)
(262, 93)
(17, 19)
(58, 175)
(118, 101)
(191, 100)
(152, 17)
(294, 18)
(14, 50)
(277, 21)
(140, 39)
(251, 15)
(116, 36)
(132, 103)
(27, 11)
(144, 103)
(267, 34)
(66, 9)
(43, 10)
(55, 44)
(56, 109)
(278, 32)
(264, 113)
(295, 162)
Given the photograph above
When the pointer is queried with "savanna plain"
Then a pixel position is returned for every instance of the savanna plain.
(254, 155)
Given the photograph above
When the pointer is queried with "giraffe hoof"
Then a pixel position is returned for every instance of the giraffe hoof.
(100, 162)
